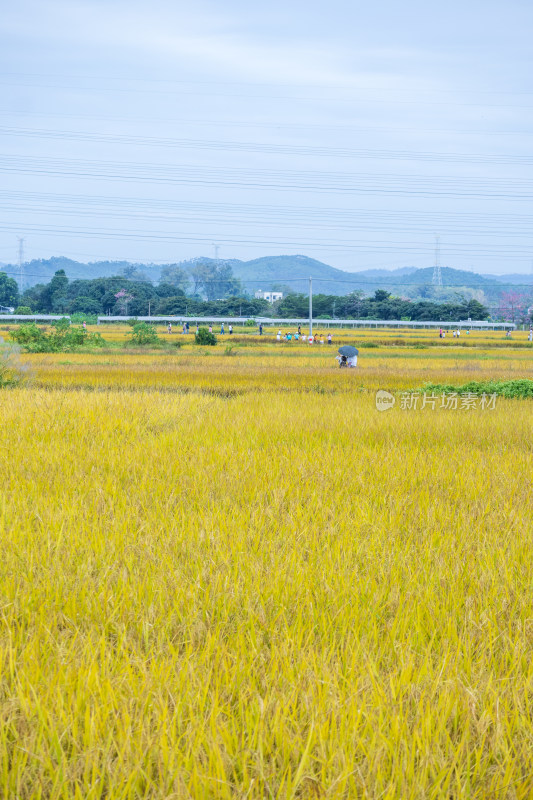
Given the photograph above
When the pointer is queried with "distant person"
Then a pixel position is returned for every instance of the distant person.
(330, 340)
(321, 339)
(299, 330)
(289, 337)
(440, 333)
(296, 337)
(222, 329)
(197, 327)
(260, 329)
(187, 326)
(278, 336)
(230, 330)
(84, 326)
(169, 327)
(210, 329)
(184, 331)
(530, 335)
(458, 332)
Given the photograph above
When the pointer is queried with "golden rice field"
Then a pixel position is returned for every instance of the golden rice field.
(229, 576)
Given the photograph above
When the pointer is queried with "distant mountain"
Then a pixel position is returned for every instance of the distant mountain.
(516, 278)
(41, 270)
(450, 277)
(294, 272)
(291, 273)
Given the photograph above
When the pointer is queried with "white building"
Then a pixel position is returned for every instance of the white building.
(270, 296)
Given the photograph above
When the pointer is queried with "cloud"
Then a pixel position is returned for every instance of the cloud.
(202, 42)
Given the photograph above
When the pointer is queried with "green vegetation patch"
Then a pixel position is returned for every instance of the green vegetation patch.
(521, 388)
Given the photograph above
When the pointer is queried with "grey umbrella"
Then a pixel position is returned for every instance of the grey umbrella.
(348, 351)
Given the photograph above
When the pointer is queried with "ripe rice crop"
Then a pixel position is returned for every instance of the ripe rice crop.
(234, 578)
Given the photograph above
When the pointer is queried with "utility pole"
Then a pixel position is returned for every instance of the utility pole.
(437, 275)
(21, 264)
(148, 307)
(310, 306)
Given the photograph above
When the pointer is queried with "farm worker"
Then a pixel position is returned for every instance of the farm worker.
(321, 340)
(289, 337)
(278, 336)
(260, 329)
(530, 336)
(458, 332)
(84, 326)
(330, 340)
(210, 329)
(230, 330)
(222, 329)
(440, 333)
(296, 336)
(187, 326)
(184, 328)
(169, 327)
(352, 361)
(197, 328)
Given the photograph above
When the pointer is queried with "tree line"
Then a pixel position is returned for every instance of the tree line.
(216, 292)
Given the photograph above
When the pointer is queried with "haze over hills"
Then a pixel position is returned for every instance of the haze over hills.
(291, 273)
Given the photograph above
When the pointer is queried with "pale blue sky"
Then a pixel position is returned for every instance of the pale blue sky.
(348, 132)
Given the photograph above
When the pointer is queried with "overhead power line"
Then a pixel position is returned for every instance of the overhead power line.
(203, 238)
(327, 89)
(275, 180)
(325, 85)
(272, 149)
(269, 123)
(295, 219)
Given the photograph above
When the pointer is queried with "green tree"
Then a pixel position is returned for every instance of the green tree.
(143, 334)
(175, 275)
(476, 310)
(54, 294)
(215, 279)
(380, 295)
(133, 273)
(85, 305)
(204, 336)
(9, 291)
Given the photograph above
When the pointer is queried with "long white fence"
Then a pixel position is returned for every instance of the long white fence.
(270, 321)
(32, 317)
(321, 323)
